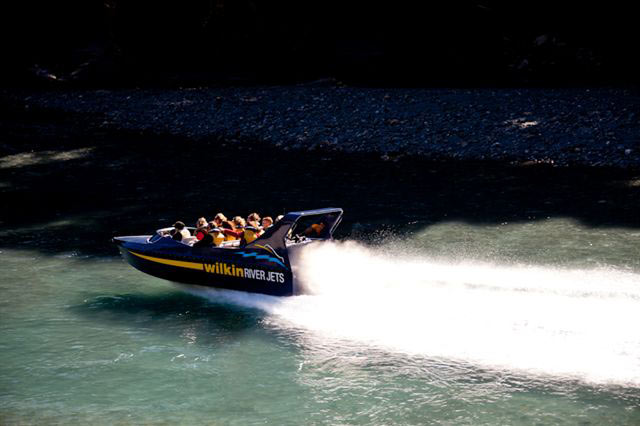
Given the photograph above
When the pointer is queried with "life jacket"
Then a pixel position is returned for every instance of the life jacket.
(200, 233)
(206, 241)
(231, 235)
(218, 236)
(250, 234)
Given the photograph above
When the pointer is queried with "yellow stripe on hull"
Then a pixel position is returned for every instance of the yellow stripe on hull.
(178, 263)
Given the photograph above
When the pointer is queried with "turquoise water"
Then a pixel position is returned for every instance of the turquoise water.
(527, 323)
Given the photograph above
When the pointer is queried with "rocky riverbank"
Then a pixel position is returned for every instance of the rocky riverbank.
(593, 127)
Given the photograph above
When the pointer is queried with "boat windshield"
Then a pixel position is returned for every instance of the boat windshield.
(319, 226)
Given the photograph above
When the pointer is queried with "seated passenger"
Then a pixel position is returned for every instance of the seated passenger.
(230, 232)
(218, 219)
(251, 232)
(217, 235)
(206, 240)
(201, 222)
(239, 222)
(266, 222)
(202, 231)
(180, 231)
(253, 217)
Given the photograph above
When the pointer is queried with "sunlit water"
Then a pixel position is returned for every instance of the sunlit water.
(532, 323)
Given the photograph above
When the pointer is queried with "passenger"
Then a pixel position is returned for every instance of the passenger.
(206, 239)
(266, 222)
(217, 235)
(251, 232)
(230, 232)
(253, 217)
(202, 231)
(218, 219)
(200, 223)
(239, 222)
(180, 231)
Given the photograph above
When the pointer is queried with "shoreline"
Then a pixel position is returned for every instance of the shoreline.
(593, 127)
(73, 167)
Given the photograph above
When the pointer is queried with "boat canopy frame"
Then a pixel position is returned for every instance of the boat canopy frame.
(276, 235)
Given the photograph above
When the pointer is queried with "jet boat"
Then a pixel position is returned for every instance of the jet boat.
(266, 265)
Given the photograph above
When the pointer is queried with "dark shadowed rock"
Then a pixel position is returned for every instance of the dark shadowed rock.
(562, 127)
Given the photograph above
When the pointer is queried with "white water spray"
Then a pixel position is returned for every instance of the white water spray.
(576, 323)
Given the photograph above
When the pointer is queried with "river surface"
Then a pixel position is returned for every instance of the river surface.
(454, 294)
(532, 323)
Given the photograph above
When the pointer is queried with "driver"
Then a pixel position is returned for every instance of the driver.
(315, 230)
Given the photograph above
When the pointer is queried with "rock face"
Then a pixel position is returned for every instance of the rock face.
(371, 43)
(596, 127)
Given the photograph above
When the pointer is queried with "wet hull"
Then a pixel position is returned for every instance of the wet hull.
(242, 270)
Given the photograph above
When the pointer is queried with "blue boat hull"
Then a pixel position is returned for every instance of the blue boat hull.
(235, 269)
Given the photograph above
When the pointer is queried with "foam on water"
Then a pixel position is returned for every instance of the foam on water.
(572, 323)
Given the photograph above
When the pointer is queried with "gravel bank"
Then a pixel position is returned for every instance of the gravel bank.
(595, 127)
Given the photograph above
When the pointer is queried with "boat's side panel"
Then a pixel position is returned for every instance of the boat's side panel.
(246, 270)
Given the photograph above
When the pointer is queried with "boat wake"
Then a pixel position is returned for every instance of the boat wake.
(571, 323)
